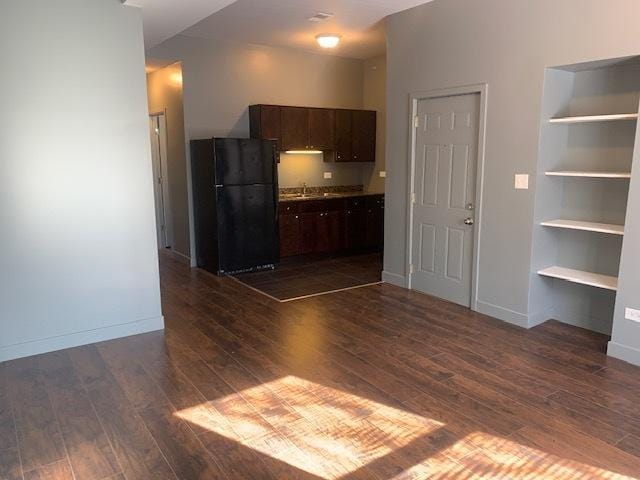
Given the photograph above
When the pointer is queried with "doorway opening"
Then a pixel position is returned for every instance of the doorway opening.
(445, 194)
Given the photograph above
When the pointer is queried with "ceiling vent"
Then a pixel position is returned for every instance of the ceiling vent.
(320, 17)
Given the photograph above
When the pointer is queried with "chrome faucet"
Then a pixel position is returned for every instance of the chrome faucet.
(304, 189)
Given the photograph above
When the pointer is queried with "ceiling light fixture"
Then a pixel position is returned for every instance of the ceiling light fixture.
(320, 17)
(328, 40)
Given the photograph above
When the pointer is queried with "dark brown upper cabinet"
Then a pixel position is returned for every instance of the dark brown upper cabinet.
(344, 135)
(295, 128)
(363, 136)
(321, 129)
(265, 123)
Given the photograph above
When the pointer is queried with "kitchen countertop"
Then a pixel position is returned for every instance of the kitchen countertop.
(322, 196)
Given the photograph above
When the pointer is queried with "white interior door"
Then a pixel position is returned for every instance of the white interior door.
(444, 195)
(157, 129)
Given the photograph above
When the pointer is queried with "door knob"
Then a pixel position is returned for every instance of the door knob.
(469, 221)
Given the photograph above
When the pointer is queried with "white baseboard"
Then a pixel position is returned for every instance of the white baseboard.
(504, 314)
(77, 339)
(623, 352)
(394, 279)
(539, 318)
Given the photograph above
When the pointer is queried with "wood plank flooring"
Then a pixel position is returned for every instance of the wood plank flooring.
(373, 383)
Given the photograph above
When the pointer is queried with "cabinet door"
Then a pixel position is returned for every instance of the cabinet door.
(364, 136)
(308, 222)
(343, 135)
(375, 227)
(355, 228)
(335, 222)
(270, 123)
(295, 128)
(290, 235)
(321, 129)
(322, 240)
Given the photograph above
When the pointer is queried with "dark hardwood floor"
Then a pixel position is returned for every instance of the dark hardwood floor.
(372, 383)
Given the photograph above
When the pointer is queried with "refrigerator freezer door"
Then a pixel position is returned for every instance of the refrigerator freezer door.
(244, 161)
(247, 227)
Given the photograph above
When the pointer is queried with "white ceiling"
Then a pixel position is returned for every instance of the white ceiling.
(274, 22)
(165, 18)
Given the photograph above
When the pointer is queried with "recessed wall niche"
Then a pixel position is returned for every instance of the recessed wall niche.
(587, 135)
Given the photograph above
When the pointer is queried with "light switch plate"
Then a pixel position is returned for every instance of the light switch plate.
(382, 174)
(632, 314)
(522, 181)
(328, 175)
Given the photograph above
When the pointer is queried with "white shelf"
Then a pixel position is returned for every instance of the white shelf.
(583, 278)
(586, 226)
(596, 118)
(589, 174)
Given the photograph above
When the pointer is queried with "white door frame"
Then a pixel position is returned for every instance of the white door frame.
(164, 175)
(414, 98)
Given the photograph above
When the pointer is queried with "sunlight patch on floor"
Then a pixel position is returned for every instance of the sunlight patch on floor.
(505, 459)
(333, 434)
(321, 430)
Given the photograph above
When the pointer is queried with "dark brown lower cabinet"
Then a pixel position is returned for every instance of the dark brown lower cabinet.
(290, 235)
(333, 225)
(374, 234)
(355, 228)
(309, 232)
(335, 221)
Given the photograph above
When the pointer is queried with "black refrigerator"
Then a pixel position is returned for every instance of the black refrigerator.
(235, 199)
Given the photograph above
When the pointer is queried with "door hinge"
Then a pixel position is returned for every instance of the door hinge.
(412, 269)
(416, 121)
(413, 197)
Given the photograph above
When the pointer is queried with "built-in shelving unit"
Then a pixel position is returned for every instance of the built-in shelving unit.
(596, 118)
(620, 175)
(583, 278)
(607, 228)
(587, 141)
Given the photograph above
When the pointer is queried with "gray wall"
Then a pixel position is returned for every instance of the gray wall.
(222, 79)
(164, 88)
(79, 259)
(375, 98)
(506, 44)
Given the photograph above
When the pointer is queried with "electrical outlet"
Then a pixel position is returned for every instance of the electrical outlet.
(522, 181)
(632, 314)
(328, 175)
(382, 174)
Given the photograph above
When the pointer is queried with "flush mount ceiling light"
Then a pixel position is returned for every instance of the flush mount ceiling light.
(328, 40)
(320, 17)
